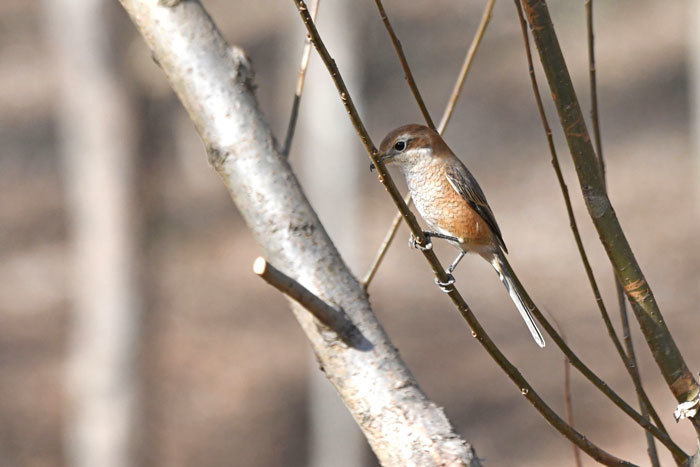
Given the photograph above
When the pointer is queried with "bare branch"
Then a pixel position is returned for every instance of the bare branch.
(667, 355)
(594, 87)
(477, 331)
(404, 65)
(447, 114)
(567, 390)
(651, 446)
(305, 55)
(574, 228)
(471, 53)
(214, 83)
(569, 408)
(384, 247)
(631, 361)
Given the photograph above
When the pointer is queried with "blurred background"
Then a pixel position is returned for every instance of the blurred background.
(132, 331)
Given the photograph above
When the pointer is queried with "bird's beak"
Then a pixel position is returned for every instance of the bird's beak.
(385, 158)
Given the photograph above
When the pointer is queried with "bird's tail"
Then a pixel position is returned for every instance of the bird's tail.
(517, 294)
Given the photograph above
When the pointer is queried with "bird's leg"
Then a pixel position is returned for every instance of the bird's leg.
(443, 236)
(456, 262)
(413, 243)
(445, 286)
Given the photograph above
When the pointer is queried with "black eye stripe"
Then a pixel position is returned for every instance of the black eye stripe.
(400, 145)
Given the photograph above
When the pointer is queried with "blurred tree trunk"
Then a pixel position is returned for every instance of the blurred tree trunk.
(693, 31)
(97, 135)
(328, 170)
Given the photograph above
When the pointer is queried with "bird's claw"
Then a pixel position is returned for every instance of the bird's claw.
(413, 243)
(446, 286)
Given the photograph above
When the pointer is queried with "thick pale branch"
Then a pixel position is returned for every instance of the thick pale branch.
(667, 355)
(214, 83)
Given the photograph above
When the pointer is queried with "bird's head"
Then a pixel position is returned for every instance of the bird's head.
(410, 145)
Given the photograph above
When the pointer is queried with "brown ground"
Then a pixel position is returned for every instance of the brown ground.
(227, 364)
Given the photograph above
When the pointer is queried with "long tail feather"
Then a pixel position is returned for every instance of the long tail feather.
(510, 281)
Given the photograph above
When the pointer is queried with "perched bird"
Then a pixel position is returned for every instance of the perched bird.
(450, 200)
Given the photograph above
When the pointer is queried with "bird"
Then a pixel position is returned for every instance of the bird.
(452, 203)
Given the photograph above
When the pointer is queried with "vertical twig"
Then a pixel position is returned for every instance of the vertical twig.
(594, 87)
(447, 114)
(651, 445)
(568, 405)
(384, 247)
(301, 77)
(634, 369)
(404, 65)
(485, 18)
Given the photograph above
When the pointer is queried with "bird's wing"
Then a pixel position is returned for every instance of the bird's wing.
(465, 184)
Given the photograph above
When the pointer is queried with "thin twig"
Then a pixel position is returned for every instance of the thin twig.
(570, 410)
(572, 218)
(301, 77)
(384, 247)
(568, 406)
(457, 299)
(632, 361)
(465, 66)
(594, 87)
(651, 446)
(447, 114)
(404, 65)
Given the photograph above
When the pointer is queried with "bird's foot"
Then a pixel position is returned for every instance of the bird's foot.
(446, 286)
(413, 243)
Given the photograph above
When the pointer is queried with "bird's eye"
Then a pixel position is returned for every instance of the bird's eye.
(400, 145)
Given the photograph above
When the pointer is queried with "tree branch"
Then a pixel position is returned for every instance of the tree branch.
(404, 65)
(631, 362)
(214, 83)
(629, 365)
(667, 355)
(471, 53)
(301, 77)
(457, 299)
(594, 87)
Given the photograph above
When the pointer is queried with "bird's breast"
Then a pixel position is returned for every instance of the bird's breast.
(445, 210)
